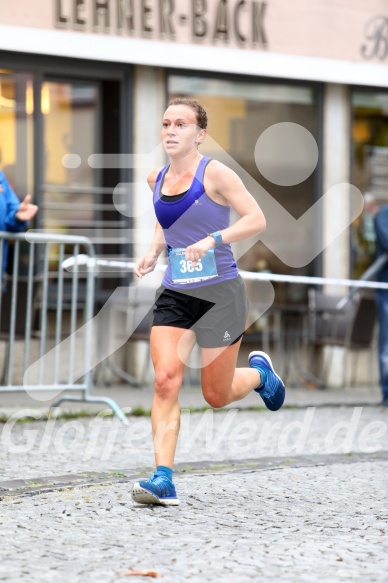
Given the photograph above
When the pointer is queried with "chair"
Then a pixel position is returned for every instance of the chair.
(351, 327)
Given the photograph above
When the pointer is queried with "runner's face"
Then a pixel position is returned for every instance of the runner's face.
(180, 133)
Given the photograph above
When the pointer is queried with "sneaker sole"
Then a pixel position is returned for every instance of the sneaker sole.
(143, 496)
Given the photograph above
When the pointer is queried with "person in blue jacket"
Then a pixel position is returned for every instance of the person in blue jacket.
(14, 215)
(381, 228)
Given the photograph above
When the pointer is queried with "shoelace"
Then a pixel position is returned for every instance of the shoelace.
(161, 482)
(157, 477)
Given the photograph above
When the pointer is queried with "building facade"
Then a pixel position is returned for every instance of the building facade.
(84, 83)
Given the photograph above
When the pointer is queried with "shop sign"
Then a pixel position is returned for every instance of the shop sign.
(376, 35)
(234, 22)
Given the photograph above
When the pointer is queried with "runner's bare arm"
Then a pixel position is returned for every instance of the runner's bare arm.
(224, 187)
(147, 263)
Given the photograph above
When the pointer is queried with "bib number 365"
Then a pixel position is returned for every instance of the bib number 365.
(183, 271)
(186, 266)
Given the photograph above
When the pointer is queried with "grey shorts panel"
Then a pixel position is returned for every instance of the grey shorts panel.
(216, 313)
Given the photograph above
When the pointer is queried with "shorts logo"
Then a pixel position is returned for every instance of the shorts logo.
(226, 336)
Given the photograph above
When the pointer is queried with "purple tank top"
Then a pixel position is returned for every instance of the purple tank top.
(190, 219)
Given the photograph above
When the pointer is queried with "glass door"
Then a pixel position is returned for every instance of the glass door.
(70, 135)
(81, 118)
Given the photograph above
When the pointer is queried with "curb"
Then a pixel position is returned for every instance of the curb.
(12, 489)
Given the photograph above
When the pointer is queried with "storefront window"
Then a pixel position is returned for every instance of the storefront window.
(51, 122)
(239, 112)
(369, 168)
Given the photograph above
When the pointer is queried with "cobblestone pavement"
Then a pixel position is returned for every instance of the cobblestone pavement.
(323, 523)
(308, 501)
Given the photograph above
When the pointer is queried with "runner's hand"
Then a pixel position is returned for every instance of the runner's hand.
(145, 265)
(198, 250)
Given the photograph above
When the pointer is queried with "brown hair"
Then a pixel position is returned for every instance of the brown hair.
(200, 113)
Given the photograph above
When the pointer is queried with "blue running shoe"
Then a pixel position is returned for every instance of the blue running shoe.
(273, 392)
(157, 490)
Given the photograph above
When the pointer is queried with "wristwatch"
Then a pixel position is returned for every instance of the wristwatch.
(217, 237)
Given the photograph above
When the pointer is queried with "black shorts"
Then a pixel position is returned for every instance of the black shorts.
(216, 313)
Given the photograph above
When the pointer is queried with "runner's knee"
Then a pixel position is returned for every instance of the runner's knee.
(167, 384)
(215, 399)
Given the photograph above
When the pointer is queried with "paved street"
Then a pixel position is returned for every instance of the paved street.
(298, 495)
(322, 523)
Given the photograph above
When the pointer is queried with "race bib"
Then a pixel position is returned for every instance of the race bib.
(183, 272)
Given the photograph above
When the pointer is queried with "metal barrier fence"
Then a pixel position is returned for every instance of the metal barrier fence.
(140, 309)
(46, 319)
(95, 263)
